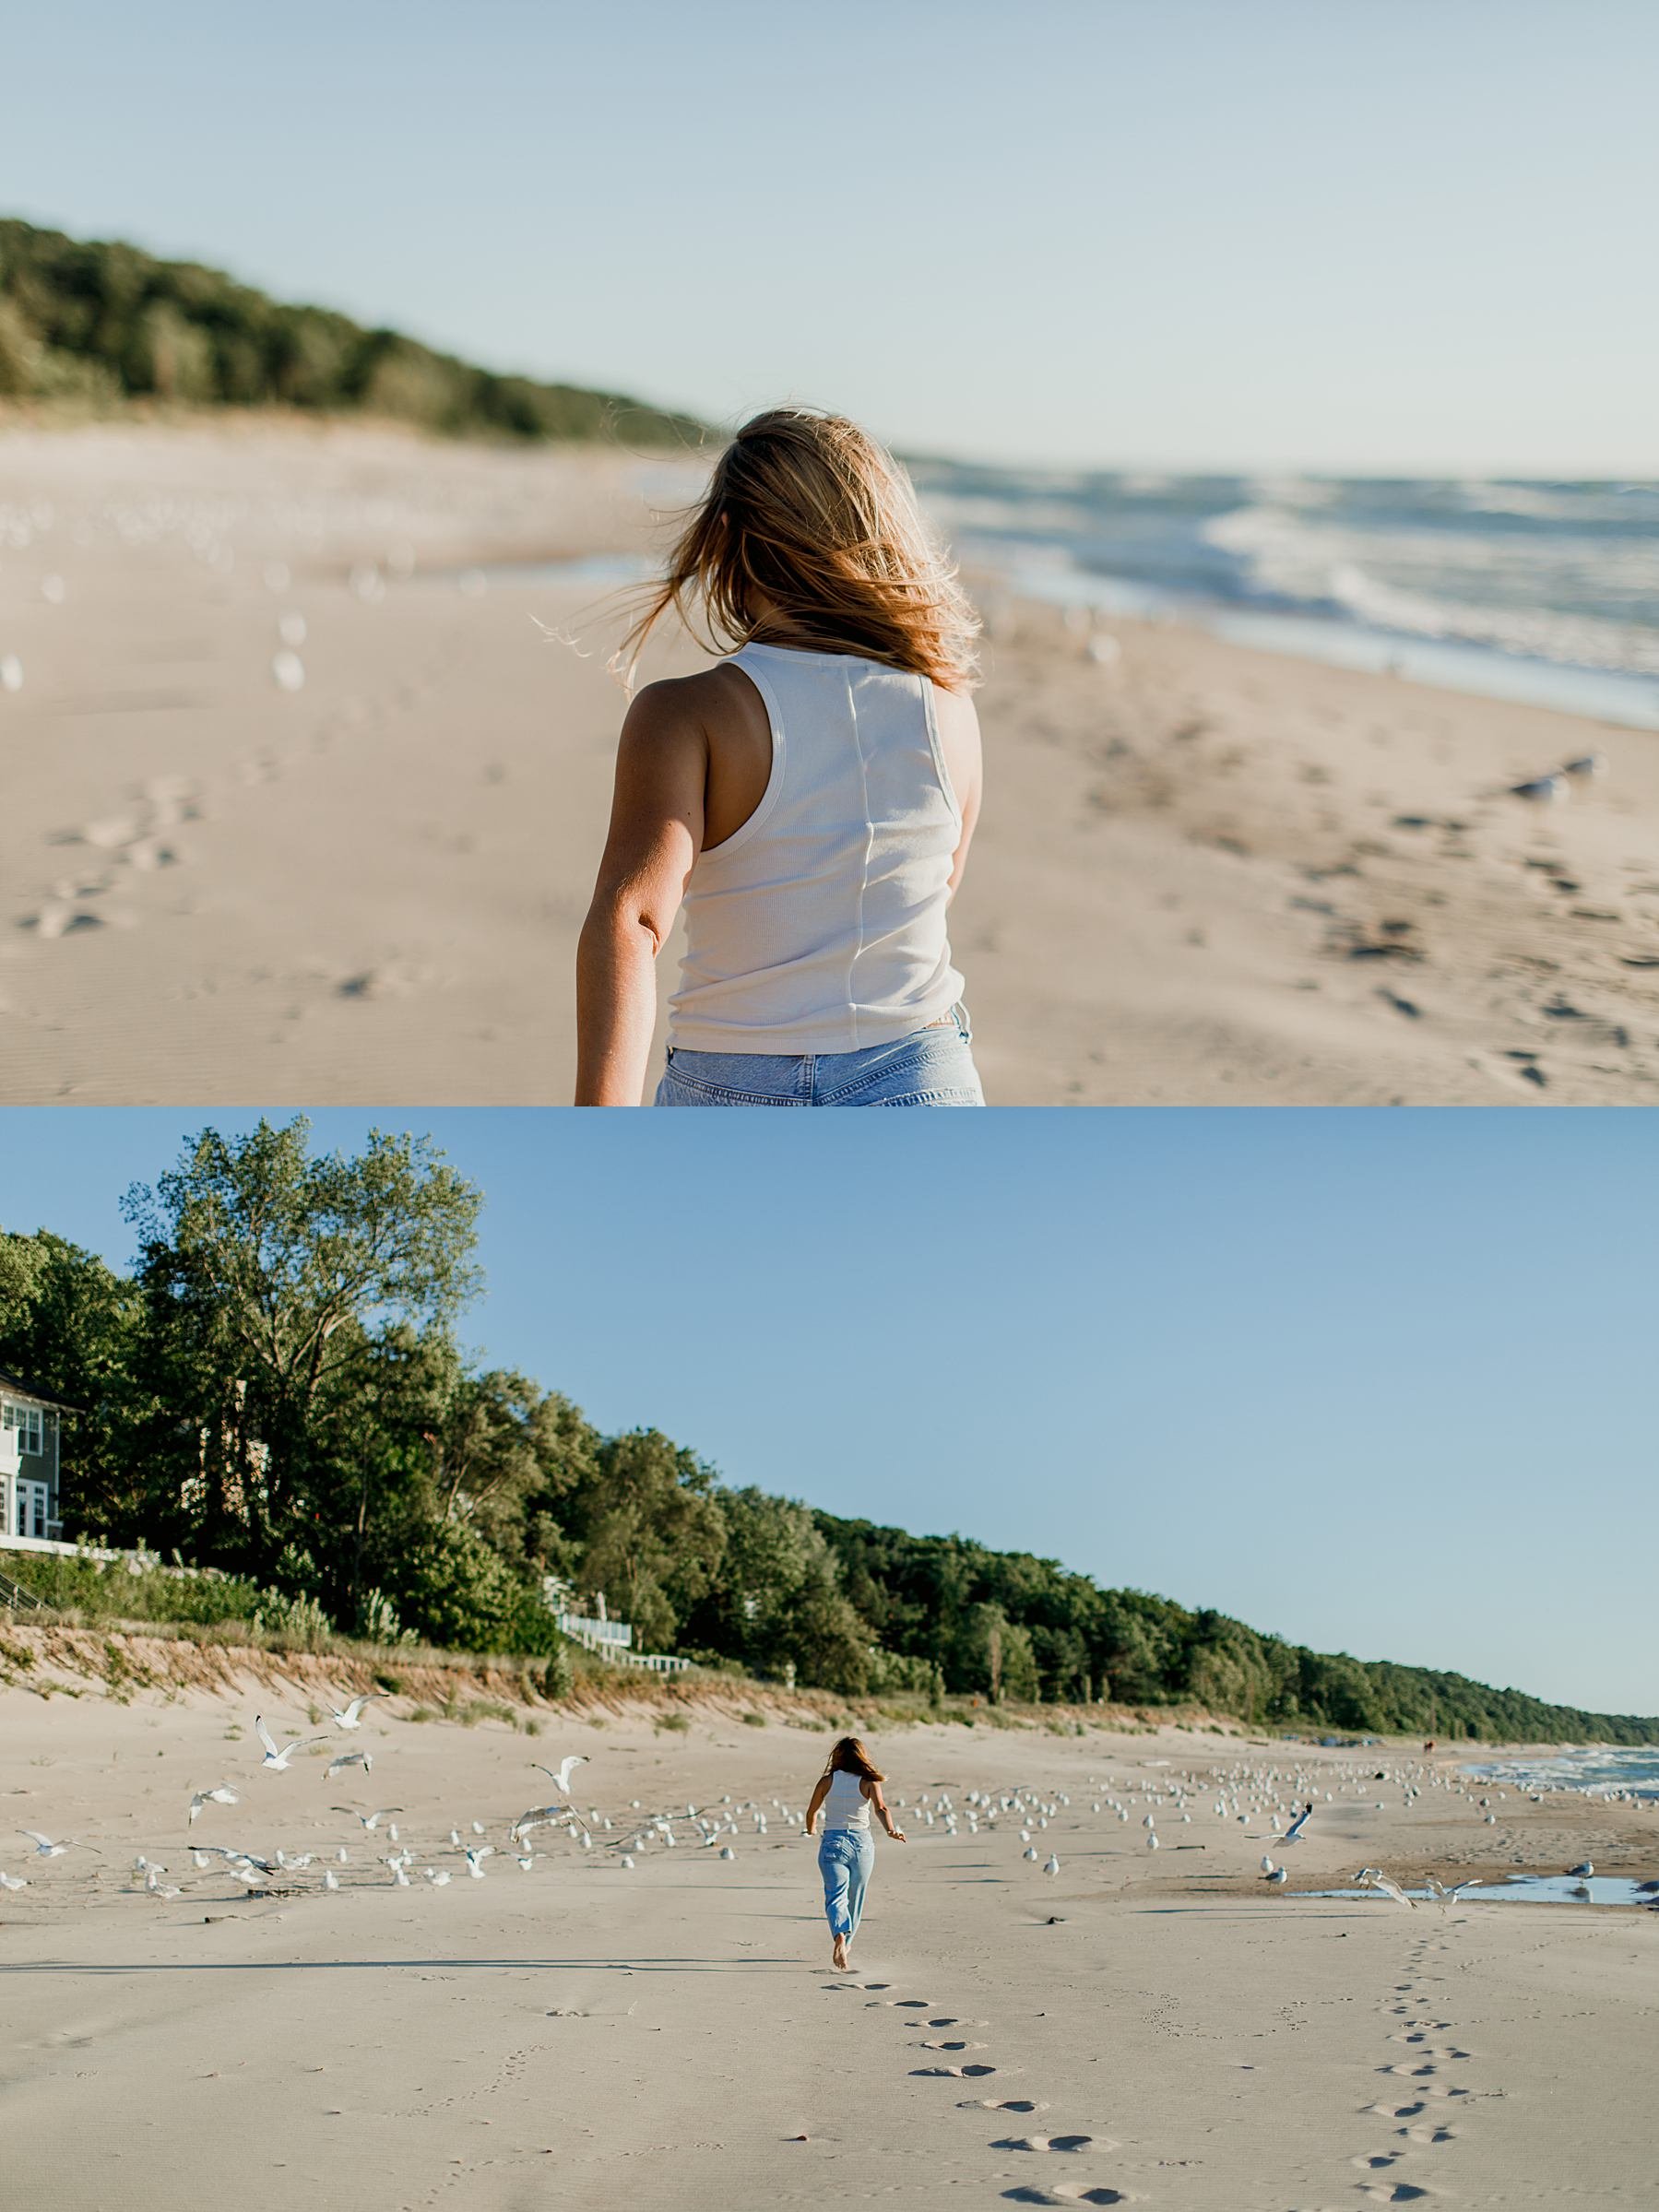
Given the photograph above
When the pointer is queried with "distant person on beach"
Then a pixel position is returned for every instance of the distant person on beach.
(809, 800)
(848, 1790)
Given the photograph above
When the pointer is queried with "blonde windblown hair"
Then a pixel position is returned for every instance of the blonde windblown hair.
(809, 536)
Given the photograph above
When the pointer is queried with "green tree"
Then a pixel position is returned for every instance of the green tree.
(282, 1266)
(650, 1531)
(776, 1603)
(70, 1325)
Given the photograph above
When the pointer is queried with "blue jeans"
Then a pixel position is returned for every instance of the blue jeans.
(846, 1858)
(932, 1067)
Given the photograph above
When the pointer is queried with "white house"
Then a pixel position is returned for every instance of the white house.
(29, 1494)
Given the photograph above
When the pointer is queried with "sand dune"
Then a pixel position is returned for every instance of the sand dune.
(1139, 2027)
(301, 810)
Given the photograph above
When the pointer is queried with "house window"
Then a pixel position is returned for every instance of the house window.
(30, 1425)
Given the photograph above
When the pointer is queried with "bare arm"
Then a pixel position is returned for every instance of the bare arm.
(656, 835)
(964, 757)
(817, 1798)
(879, 1805)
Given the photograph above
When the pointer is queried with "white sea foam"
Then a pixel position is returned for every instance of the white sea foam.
(1600, 1770)
(1451, 583)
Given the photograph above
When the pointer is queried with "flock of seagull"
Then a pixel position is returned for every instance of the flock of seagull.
(1274, 1803)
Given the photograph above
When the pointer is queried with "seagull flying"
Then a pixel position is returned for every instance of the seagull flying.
(44, 1847)
(352, 1716)
(278, 1760)
(222, 1796)
(365, 1759)
(539, 1816)
(368, 1820)
(560, 1774)
(1373, 1879)
(1293, 1831)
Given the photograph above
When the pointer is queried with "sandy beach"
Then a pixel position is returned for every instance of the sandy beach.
(303, 806)
(1139, 2027)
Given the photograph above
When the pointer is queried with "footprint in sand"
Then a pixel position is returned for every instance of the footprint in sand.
(972, 2073)
(927, 2046)
(1398, 2192)
(1061, 2195)
(1002, 2104)
(56, 919)
(1062, 2142)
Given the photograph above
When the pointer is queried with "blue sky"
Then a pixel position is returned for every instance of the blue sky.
(1378, 1381)
(1391, 235)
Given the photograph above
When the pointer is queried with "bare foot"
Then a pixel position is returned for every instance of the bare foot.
(838, 1956)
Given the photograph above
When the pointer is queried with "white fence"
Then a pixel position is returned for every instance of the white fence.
(617, 1653)
(138, 1560)
(589, 1629)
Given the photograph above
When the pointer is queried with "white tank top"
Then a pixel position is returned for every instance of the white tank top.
(847, 1805)
(819, 925)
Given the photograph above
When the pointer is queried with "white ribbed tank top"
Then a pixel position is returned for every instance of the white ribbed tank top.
(819, 925)
(847, 1805)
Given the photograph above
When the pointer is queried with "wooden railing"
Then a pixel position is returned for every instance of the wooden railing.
(16, 1599)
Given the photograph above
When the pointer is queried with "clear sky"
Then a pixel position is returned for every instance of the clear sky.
(1382, 1382)
(1384, 235)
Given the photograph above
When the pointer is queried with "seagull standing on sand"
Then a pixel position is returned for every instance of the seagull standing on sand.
(278, 1760)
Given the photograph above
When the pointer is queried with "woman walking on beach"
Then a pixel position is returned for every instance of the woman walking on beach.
(809, 799)
(848, 1790)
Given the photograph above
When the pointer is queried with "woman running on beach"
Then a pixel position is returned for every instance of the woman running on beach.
(809, 799)
(849, 1787)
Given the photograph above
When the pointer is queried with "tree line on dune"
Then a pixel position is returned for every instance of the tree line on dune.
(277, 1391)
(97, 324)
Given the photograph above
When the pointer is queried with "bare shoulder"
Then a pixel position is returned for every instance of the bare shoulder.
(955, 711)
(709, 696)
(957, 721)
(676, 702)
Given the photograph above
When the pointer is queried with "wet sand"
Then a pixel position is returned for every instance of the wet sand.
(1206, 874)
(1146, 2027)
